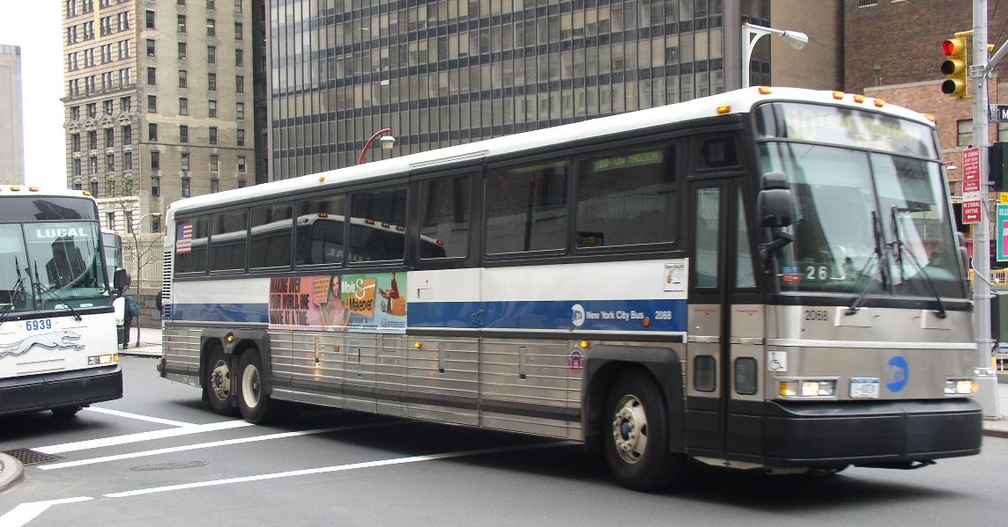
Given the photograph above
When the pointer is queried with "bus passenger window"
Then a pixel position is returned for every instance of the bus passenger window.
(444, 217)
(191, 245)
(527, 208)
(319, 231)
(270, 236)
(228, 240)
(626, 198)
(377, 225)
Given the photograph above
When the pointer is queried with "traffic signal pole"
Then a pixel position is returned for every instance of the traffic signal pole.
(987, 395)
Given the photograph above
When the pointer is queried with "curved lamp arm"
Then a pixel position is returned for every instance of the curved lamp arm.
(367, 146)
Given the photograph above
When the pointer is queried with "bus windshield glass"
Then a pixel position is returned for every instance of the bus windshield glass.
(51, 265)
(870, 209)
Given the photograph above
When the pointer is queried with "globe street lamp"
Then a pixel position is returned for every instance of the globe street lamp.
(751, 33)
(387, 142)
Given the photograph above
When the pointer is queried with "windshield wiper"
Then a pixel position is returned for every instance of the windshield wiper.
(900, 248)
(18, 292)
(45, 290)
(881, 250)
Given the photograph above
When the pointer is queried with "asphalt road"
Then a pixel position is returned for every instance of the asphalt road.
(160, 457)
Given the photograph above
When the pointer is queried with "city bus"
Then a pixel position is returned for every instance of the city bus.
(57, 328)
(765, 279)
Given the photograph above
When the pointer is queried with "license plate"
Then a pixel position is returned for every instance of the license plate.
(864, 387)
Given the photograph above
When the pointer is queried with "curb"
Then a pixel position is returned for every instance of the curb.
(11, 471)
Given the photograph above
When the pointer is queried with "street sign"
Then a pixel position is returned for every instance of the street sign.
(998, 113)
(971, 186)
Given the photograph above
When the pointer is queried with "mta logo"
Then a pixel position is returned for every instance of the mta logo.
(897, 374)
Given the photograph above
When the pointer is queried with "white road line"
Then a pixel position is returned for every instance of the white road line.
(330, 469)
(142, 436)
(211, 444)
(138, 417)
(26, 512)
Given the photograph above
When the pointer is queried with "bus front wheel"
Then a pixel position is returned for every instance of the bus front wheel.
(256, 406)
(636, 435)
(218, 383)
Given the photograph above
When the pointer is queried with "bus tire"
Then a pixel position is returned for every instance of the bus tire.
(219, 382)
(256, 406)
(636, 434)
(65, 413)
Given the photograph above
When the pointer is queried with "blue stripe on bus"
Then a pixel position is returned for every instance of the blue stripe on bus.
(594, 315)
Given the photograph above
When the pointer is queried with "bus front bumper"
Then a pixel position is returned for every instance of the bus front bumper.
(893, 434)
(60, 389)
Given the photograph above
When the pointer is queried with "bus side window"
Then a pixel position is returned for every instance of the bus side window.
(271, 236)
(444, 217)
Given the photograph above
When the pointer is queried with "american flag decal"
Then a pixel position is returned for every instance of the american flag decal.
(183, 238)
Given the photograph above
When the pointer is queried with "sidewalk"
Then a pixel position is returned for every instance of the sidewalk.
(150, 343)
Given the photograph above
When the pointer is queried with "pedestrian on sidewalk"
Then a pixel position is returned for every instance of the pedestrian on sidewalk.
(132, 310)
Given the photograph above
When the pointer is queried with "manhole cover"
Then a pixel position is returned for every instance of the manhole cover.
(30, 457)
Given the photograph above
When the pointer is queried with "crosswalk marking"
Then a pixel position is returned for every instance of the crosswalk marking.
(141, 436)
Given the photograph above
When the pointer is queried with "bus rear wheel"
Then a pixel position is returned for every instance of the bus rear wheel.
(636, 435)
(256, 406)
(218, 383)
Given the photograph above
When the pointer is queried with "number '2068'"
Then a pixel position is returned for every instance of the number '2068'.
(817, 315)
(36, 325)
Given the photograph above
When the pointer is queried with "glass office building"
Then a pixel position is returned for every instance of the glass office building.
(445, 72)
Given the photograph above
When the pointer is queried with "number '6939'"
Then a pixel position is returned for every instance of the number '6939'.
(36, 325)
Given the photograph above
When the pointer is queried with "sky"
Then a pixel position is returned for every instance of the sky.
(36, 26)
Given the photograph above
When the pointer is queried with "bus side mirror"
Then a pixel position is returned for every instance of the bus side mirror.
(774, 202)
(121, 280)
(774, 205)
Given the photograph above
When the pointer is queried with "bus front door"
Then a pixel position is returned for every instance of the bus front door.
(724, 327)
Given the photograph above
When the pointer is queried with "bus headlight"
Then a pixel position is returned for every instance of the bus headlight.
(98, 360)
(806, 388)
(961, 386)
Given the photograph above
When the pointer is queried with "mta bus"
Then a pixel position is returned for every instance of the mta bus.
(765, 279)
(57, 327)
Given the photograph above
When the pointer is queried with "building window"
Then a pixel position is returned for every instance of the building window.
(183, 79)
(241, 164)
(238, 30)
(211, 25)
(92, 140)
(77, 167)
(185, 161)
(109, 138)
(241, 183)
(239, 84)
(110, 220)
(213, 135)
(964, 136)
(185, 187)
(126, 104)
(212, 81)
(155, 186)
(214, 186)
(240, 111)
(155, 160)
(109, 107)
(127, 160)
(75, 142)
(239, 58)
(214, 163)
(110, 162)
(211, 54)
(152, 132)
(127, 135)
(212, 108)
(94, 188)
(183, 133)
(155, 224)
(241, 137)
(152, 104)
(75, 113)
(149, 19)
(182, 53)
(128, 220)
(150, 47)
(181, 24)
(92, 110)
(151, 76)
(93, 165)
(183, 106)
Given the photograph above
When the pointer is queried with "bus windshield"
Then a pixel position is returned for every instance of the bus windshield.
(52, 265)
(871, 215)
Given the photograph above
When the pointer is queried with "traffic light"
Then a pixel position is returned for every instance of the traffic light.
(955, 67)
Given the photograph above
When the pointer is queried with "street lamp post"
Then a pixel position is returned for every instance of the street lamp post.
(751, 33)
(387, 142)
